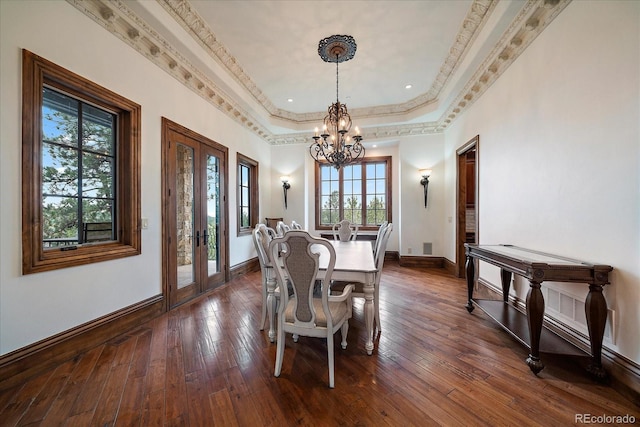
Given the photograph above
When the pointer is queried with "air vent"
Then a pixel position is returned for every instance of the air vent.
(427, 248)
(570, 311)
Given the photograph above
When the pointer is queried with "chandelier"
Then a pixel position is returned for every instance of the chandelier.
(335, 145)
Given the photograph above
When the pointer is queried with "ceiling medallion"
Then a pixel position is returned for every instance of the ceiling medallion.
(335, 145)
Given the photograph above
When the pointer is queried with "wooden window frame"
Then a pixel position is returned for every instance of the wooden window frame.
(366, 160)
(36, 73)
(254, 206)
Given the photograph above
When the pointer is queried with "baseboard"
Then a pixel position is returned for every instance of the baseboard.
(451, 267)
(421, 261)
(21, 364)
(245, 267)
(624, 373)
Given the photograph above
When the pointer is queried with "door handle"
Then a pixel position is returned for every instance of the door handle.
(205, 235)
(198, 238)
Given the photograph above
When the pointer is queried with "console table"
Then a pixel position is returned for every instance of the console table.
(538, 267)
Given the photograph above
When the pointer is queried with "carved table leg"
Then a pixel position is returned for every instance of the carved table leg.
(369, 292)
(271, 303)
(535, 314)
(505, 276)
(596, 311)
(470, 281)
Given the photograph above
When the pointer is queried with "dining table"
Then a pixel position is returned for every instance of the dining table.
(354, 263)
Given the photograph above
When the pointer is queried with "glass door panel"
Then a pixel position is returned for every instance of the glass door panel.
(213, 230)
(185, 215)
(213, 215)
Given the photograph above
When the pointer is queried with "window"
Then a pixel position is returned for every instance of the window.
(360, 193)
(247, 194)
(81, 170)
(78, 180)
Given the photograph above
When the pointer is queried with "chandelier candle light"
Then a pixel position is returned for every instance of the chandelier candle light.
(335, 145)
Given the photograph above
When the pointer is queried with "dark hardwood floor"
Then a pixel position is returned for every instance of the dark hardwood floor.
(207, 363)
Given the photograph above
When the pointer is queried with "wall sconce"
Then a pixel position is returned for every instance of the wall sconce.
(425, 173)
(285, 187)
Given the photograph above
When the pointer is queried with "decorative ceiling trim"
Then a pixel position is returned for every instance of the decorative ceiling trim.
(381, 132)
(195, 25)
(117, 18)
(533, 18)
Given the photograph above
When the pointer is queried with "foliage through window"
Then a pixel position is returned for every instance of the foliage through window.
(360, 193)
(247, 194)
(78, 171)
(81, 170)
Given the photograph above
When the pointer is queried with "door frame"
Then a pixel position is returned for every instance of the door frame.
(461, 200)
(169, 126)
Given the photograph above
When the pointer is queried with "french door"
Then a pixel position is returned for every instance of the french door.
(194, 217)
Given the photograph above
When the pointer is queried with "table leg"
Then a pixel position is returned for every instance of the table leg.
(470, 282)
(369, 291)
(271, 304)
(535, 315)
(505, 276)
(596, 311)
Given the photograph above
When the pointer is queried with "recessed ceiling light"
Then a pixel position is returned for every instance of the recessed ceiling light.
(408, 86)
(374, 145)
(290, 100)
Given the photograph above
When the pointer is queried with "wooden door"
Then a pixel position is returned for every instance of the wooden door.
(467, 200)
(194, 214)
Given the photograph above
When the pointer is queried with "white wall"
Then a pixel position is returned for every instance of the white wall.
(417, 224)
(37, 306)
(559, 153)
(291, 160)
(559, 163)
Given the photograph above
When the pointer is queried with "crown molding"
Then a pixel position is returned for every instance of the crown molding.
(197, 27)
(117, 18)
(533, 18)
(368, 134)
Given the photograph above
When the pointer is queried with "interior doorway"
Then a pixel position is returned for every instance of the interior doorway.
(467, 200)
(194, 217)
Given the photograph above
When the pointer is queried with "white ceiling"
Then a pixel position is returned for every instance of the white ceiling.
(249, 57)
(276, 43)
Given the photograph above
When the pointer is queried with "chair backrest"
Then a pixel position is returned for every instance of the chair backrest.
(381, 249)
(345, 231)
(262, 236)
(282, 228)
(300, 262)
(296, 226)
(381, 231)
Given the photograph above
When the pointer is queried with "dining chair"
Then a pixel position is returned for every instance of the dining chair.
(296, 226)
(272, 222)
(282, 228)
(358, 290)
(376, 242)
(262, 236)
(345, 231)
(301, 313)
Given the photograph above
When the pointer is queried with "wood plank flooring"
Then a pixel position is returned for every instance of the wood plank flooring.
(207, 363)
